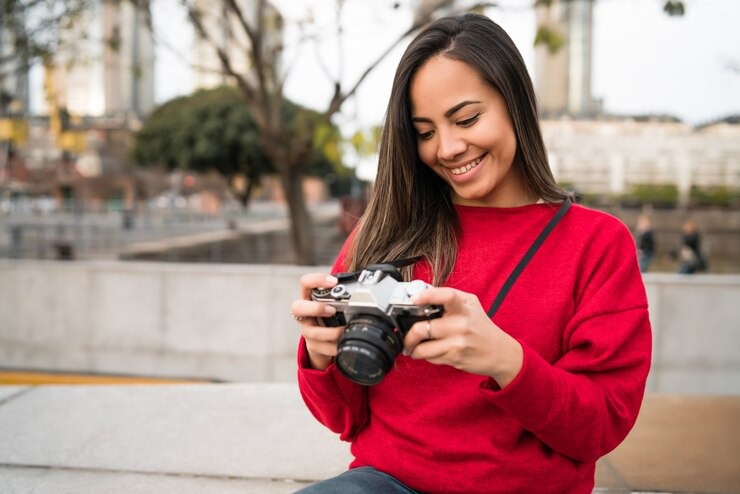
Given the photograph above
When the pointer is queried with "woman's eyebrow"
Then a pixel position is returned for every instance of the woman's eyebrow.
(458, 106)
(449, 112)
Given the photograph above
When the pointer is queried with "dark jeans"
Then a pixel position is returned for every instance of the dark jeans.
(362, 480)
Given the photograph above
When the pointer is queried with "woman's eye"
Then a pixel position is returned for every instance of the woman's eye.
(425, 136)
(469, 121)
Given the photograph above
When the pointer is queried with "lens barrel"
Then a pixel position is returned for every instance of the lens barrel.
(367, 349)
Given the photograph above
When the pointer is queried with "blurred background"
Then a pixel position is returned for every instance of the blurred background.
(162, 160)
(169, 169)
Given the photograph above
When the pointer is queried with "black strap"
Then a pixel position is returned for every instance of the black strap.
(528, 256)
(391, 267)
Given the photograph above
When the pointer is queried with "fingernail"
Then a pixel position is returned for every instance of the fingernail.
(329, 310)
(331, 279)
(406, 353)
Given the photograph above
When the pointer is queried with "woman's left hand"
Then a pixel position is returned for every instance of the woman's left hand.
(464, 337)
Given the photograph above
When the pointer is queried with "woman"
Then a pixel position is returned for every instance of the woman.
(528, 400)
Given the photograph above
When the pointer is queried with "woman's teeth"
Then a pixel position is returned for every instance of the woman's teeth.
(466, 168)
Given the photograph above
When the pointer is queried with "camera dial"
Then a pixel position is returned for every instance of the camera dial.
(340, 292)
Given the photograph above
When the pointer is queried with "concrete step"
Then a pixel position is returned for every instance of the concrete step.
(196, 438)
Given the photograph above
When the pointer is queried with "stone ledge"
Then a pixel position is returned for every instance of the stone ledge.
(260, 438)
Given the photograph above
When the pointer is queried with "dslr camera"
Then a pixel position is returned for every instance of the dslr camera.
(374, 305)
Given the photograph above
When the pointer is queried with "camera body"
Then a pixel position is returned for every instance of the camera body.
(375, 306)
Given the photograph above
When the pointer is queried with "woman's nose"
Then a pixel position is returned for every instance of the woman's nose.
(450, 146)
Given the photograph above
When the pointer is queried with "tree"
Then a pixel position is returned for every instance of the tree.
(214, 130)
(287, 142)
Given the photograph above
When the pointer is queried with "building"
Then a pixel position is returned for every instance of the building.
(106, 68)
(97, 86)
(612, 155)
(563, 72)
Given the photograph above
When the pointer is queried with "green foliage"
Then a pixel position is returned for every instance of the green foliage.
(714, 196)
(659, 195)
(550, 38)
(365, 143)
(325, 157)
(674, 8)
(214, 130)
(210, 129)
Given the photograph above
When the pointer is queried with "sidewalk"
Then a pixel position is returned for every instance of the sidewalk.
(259, 438)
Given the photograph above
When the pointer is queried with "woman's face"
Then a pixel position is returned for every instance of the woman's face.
(465, 135)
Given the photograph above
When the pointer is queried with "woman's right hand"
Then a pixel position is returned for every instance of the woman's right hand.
(321, 341)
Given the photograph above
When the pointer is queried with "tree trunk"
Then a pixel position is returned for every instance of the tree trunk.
(245, 196)
(301, 224)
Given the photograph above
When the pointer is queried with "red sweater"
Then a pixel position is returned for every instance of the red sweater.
(579, 310)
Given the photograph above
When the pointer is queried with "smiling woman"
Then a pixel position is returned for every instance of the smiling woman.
(528, 394)
(465, 134)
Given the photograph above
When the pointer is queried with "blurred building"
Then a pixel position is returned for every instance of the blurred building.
(97, 87)
(563, 58)
(106, 68)
(611, 155)
(602, 154)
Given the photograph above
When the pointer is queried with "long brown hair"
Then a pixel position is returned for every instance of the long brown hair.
(411, 212)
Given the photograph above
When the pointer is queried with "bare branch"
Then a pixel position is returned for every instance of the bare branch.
(421, 19)
(249, 92)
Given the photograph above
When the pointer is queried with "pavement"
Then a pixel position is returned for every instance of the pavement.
(259, 438)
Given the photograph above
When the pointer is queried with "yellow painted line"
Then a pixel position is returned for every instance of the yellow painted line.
(27, 378)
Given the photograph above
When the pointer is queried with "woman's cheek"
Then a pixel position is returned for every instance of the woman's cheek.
(427, 154)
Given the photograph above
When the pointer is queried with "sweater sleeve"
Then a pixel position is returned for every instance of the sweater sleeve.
(336, 402)
(584, 404)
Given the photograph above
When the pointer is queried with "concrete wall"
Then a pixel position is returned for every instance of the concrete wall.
(232, 322)
(224, 322)
(696, 333)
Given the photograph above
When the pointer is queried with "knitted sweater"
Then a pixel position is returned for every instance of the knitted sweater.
(579, 310)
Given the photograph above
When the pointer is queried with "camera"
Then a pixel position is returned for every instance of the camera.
(374, 304)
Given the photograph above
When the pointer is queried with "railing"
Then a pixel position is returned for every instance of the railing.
(39, 234)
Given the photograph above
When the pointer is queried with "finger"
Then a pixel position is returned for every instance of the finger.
(322, 349)
(322, 334)
(423, 331)
(436, 296)
(315, 280)
(306, 308)
(451, 299)
(433, 351)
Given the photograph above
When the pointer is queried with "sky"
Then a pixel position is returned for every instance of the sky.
(644, 61)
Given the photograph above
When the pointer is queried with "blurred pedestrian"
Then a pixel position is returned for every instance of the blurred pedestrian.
(645, 239)
(690, 255)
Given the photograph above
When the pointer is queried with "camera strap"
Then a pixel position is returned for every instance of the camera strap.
(396, 263)
(528, 256)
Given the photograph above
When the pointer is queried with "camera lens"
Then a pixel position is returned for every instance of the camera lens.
(366, 351)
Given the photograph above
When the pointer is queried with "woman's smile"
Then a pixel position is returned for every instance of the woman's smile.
(464, 169)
